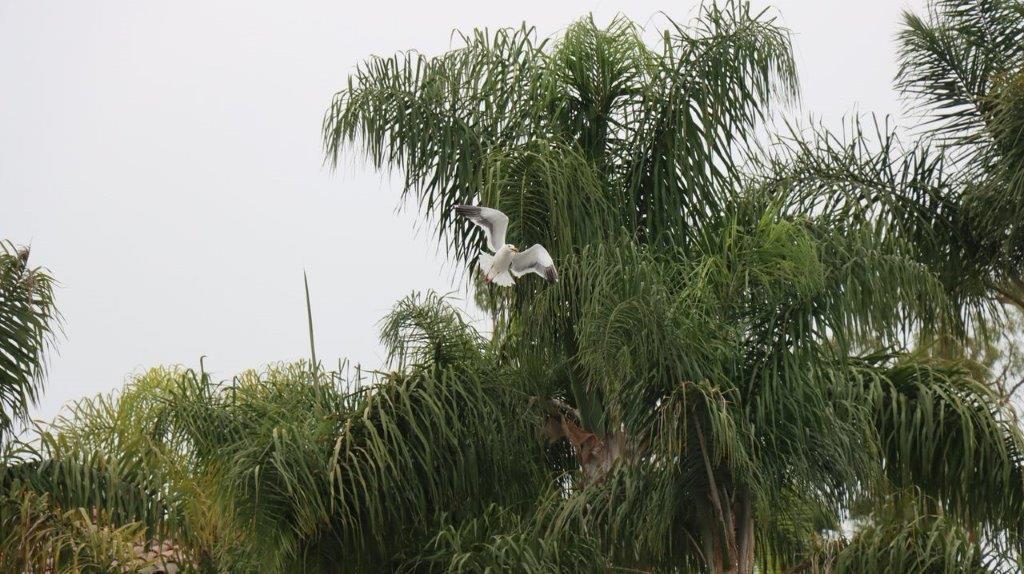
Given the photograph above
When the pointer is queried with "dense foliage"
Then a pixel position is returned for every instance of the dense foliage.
(758, 356)
(27, 320)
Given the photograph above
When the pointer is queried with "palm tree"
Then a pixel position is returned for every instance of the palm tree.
(293, 469)
(723, 349)
(722, 380)
(954, 195)
(28, 319)
(962, 69)
(956, 191)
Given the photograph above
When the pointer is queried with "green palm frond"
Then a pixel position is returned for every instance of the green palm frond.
(39, 537)
(278, 470)
(275, 472)
(28, 321)
(89, 480)
(112, 454)
(428, 331)
(941, 431)
(656, 128)
(961, 66)
(501, 540)
(915, 542)
(867, 180)
(949, 60)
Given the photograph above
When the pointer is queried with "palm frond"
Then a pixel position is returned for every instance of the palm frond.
(28, 323)
(940, 430)
(915, 542)
(948, 62)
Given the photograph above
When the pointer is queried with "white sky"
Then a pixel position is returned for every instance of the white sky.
(164, 161)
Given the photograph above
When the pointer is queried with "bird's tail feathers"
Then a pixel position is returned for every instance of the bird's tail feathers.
(504, 279)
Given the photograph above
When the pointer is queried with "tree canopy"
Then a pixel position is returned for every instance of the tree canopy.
(756, 355)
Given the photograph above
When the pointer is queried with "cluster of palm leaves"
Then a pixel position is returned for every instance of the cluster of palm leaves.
(757, 356)
(28, 319)
(291, 468)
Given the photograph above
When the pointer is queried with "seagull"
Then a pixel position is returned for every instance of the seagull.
(507, 261)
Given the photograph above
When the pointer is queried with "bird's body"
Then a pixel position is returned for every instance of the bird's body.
(507, 261)
(496, 267)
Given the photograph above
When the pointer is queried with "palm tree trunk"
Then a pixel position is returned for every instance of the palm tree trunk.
(745, 534)
(729, 544)
(732, 551)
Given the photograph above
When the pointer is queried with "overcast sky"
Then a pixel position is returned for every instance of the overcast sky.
(164, 161)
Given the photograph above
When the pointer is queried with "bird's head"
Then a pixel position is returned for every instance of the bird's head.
(513, 248)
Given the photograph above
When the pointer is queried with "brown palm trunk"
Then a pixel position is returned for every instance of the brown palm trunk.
(732, 551)
(745, 534)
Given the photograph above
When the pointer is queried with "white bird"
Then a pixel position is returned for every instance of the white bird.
(507, 261)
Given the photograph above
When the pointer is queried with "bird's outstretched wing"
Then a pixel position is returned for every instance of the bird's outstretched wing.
(535, 260)
(493, 222)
